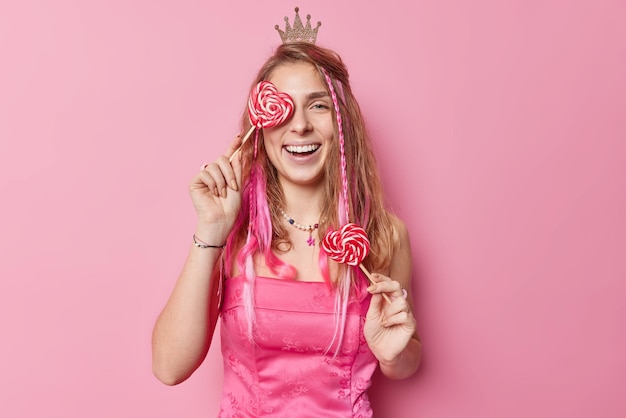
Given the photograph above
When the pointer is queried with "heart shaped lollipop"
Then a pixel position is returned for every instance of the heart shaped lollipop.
(267, 108)
(349, 245)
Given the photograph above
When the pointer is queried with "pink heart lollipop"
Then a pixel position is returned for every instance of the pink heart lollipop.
(267, 108)
(349, 245)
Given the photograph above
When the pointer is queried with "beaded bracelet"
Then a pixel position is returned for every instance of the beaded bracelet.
(201, 244)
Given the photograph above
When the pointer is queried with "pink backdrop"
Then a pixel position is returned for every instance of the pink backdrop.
(501, 134)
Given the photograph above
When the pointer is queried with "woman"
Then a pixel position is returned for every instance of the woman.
(301, 335)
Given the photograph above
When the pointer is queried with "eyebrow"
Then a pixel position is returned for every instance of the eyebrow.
(317, 95)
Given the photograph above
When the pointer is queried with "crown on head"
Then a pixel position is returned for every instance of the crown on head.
(298, 32)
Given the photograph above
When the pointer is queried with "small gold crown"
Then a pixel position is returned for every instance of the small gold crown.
(298, 33)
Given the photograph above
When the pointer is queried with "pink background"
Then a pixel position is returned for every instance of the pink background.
(500, 128)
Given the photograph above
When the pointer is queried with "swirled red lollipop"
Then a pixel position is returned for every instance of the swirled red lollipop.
(349, 245)
(267, 108)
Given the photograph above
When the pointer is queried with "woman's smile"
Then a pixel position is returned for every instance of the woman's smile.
(302, 149)
(299, 148)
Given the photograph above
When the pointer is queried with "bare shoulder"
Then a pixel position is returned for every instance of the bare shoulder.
(400, 232)
(401, 265)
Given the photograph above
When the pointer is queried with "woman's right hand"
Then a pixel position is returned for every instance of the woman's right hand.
(216, 195)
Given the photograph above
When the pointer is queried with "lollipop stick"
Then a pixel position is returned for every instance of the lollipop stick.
(369, 277)
(243, 141)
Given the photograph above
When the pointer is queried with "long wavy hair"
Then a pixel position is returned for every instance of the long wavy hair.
(259, 227)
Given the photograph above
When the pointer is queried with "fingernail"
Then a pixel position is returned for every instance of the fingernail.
(223, 192)
(233, 184)
(371, 288)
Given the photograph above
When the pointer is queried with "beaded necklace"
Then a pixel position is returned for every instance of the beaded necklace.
(305, 228)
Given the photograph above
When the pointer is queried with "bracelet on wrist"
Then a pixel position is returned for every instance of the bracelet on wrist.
(201, 244)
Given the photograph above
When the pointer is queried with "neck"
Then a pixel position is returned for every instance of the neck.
(303, 203)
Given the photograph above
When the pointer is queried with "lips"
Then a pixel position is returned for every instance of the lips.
(302, 149)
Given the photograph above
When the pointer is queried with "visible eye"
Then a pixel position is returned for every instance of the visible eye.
(319, 106)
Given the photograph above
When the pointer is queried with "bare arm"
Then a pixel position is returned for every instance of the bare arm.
(390, 329)
(183, 331)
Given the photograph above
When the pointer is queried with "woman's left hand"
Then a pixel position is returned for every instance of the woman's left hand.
(388, 326)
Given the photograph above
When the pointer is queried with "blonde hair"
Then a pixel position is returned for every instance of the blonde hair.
(258, 228)
(366, 202)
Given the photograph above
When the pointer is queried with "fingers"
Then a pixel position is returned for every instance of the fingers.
(234, 146)
(215, 176)
(232, 165)
(398, 312)
(236, 165)
(220, 174)
(385, 285)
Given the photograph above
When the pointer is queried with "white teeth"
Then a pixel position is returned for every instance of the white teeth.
(296, 149)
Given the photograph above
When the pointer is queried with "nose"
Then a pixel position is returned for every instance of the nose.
(299, 122)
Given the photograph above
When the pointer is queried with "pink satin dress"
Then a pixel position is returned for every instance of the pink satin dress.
(286, 373)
